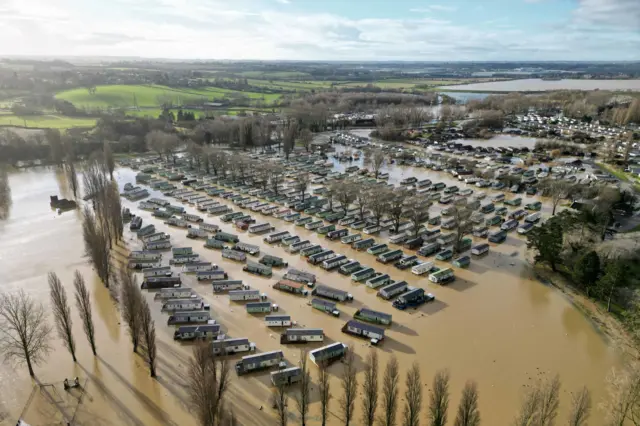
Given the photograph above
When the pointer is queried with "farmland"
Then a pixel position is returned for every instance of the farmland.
(122, 96)
(46, 121)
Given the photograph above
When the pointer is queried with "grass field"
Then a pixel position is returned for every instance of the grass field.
(292, 75)
(399, 84)
(122, 96)
(47, 121)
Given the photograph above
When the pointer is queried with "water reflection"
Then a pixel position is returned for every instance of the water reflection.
(5, 194)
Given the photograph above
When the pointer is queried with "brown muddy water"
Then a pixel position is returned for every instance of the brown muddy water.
(495, 325)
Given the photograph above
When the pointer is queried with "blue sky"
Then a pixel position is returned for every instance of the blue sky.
(412, 30)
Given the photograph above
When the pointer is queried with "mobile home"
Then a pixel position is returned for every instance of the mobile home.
(258, 362)
(363, 329)
(189, 317)
(257, 269)
(186, 304)
(259, 228)
(442, 276)
(258, 307)
(154, 283)
(392, 290)
(411, 298)
(286, 376)
(300, 276)
(328, 354)
(232, 346)
(278, 320)
(276, 237)
(163, 271)
(251, 249)
(370, 315)
(174, 293)
(325, 306)
(215, 275)
(290, 287)
(331, 293)
(243, 295)
(378, 281)
(302, 335)
(197, 332)
(226, 285)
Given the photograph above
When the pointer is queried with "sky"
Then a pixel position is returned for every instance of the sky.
(358, 30)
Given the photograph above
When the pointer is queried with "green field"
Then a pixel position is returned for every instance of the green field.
(122, 96)
(290, 75)
(399, 84)
(46, 121)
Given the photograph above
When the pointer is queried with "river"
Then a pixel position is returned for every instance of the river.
(495, 324)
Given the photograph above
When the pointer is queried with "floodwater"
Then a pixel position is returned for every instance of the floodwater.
(539, 85)
(496, 141)
(495, 324)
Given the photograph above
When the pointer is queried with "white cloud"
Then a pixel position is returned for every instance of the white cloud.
(619, 13)
(434, 8)
(216, 29)
(284, 1)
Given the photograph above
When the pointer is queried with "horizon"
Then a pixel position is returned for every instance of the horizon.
(498, 31)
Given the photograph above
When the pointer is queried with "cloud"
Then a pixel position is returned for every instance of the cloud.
(246, 29)
(614, 13)
(284, 1)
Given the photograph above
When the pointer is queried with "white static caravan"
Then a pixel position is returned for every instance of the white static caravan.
(184, 259)
(278, 320)
(174, 293)
(422, 268)
(188, 304)
(144, 255)
(232, 346)
(241, 295)
(259, 362)
(199, 266)
(260, 227)
(227, 285)
(195, 332)
(286, 376)
(158, 236)
(212, 274)
(296, 247)
(197, 233)
(302, 335)
(158, 245)
(277, 237)
(247, 248)
(328, 353)
(189, 317)
(163, 271)
(209, 227)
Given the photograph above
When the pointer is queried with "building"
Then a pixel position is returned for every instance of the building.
(363, 329)
(302, 335)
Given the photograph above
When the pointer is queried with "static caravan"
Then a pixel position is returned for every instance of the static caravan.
(364, 244)
(407, 262)
(363, 275)
(302, 335)
(196, 332)
(258, 307)
(328, 354)
(339, 234)
(304, 220)
(260, 227)
(153, 283)
(390, 256)
(218, 210)
(378, 281)
(286, 376)
(422, 268)
(227, 285)
(226, 237)
(350, 267)
(258, 362)
(209, 227)
(325, 306)
(186, 304)
(251, 249)
(257, 269)
(398, 238)
(206, 205)
(392, 290)
(314, 225)
(321, 257)
(378, 249)
(442, 276)
(291, 240)
(192, 218)
(158, 236)
(334, 262)
(331, 293)
(273, 261)
(183, 259)
(232, 346)
(276, 237)
(300, 276)
(326, 229)
(357, 328)
(278, 320)
(212, 243)
(310, 251)
(198, 266)
(174, 293)
(144, 255)
(142, 264)
(370, 315)
(189, 317)
(243, 295)
(351, 238)
(533, 217)
(411, 298)
(213, 274)
(300, 245)
(525, 228)
(163, 271)
(177, 251)
(158, 245)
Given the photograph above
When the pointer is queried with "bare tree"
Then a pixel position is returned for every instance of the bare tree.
(624, 395)
(324, 390)
(62, 313)
(345, 194)
(417, 212)
(109, 162)
(5, 194)
(83, 303)
(390, 392)
(378, 204)
(375, 159)
(276, 177)
(111, 212)
(439, 399)
(24, 331)
(207, 384)
(549, 402)
(396, 207)
(72, 177)
(370, 389)
(148, 335)
(302, 183)
(96, 245)
(304, 395)
(290, 131)
(155, 141)
(280, 402)
(131, 305)
(462, 215)
(557, 190)
(580, 408)
(349, 383)
(413, 396)
(305, 138)
(468, 413)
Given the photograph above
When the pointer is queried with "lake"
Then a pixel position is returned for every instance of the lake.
(539, 85)
(496, 324)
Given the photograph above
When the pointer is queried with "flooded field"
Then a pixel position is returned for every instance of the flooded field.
(495, 324)
(539, 85)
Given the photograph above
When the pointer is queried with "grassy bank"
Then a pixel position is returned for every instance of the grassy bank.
(46, 121)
